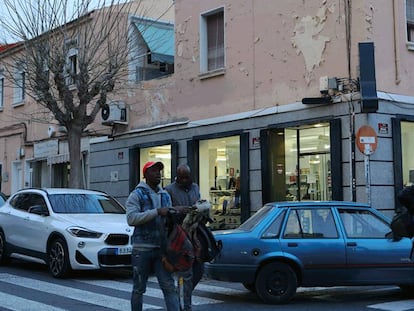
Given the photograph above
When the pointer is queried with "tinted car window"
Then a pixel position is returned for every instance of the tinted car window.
(310, 223)
(274, 229)
(363, 224)
(250, 223)
(21, 201)
(24, 201)
(75, 203)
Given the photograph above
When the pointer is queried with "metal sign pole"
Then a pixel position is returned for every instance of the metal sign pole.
(367, 152)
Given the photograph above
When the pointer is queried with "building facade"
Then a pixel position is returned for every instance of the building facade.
(34, 148)
(275, 101)
(267, 101)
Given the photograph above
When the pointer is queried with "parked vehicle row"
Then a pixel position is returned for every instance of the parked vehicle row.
(283, 246)
(65, 228)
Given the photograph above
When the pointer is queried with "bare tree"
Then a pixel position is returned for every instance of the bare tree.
(72, 58)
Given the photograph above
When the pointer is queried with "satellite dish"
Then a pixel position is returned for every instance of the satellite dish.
(105, 112)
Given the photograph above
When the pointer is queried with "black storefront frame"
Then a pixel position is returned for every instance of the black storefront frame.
(336, 153)
(134, 165)
(193, 160)
(397, 153)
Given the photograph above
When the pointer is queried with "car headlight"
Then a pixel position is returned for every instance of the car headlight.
(84, 233)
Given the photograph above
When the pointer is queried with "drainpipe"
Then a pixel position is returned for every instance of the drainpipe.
(396, 48)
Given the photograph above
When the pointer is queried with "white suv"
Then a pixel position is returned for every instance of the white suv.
(66, 228)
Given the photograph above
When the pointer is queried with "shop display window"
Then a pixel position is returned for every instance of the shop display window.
(220, 179)
(300, 163)
(158, 153)
(407, 129)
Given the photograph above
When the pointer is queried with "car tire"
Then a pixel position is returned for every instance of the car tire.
(250, 286)
(276, 283)
(4, 256)
(58, 258)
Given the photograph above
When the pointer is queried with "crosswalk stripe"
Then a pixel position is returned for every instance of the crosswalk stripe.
(401, 305)
(151, 292)
(72, 293)
(15, 303)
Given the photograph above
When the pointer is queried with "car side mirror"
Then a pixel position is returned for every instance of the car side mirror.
(38, 210)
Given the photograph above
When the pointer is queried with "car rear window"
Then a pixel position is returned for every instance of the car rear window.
(84, 204)
(250, 223)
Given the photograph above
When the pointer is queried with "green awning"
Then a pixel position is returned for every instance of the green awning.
(159, 37)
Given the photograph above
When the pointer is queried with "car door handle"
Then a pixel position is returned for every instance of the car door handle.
(292, 244)
(351, 244)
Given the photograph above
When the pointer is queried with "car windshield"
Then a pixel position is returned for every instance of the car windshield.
(79, 203)
(250, 223)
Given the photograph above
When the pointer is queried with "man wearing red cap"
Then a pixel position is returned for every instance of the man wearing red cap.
(146, 205)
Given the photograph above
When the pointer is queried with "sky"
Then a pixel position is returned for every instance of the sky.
(5, 37)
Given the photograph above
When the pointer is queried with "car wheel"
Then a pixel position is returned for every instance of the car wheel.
(276, 283)
(250, 286)
(58, 258)
(4, 257)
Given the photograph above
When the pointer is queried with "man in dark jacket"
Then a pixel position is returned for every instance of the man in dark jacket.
(402, 224)
(146, 206)
(184, 194)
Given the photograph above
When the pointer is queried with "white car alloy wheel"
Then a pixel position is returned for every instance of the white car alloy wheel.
(59, 264)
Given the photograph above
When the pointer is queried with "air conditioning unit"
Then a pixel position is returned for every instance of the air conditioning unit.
(114, 113)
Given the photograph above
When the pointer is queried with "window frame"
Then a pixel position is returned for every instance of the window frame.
(19, 85)
(72, 65)
(409, 24)
(204, 61)
(1, 89)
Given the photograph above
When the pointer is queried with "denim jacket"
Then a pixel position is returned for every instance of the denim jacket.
(142, 205)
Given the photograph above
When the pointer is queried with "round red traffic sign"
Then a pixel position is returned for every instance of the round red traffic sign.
(366, 140)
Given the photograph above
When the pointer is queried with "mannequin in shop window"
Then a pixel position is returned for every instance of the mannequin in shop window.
(237, 193)
(306, 196)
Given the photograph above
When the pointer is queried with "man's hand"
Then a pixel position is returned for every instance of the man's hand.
(182, 209)
(163, 211)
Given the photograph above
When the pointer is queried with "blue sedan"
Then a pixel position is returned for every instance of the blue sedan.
(287, 245)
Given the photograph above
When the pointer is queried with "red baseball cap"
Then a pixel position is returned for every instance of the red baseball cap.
(151, 164)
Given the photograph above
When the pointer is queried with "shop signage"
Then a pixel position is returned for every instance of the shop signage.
(255, 142)
(46, 148)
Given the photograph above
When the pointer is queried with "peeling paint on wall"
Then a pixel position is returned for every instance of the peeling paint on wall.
(155, 104)
(307, 39)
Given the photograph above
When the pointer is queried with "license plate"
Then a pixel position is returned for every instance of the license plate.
(124, 250)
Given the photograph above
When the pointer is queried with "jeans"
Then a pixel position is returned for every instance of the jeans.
(191, 279)
(145, 263)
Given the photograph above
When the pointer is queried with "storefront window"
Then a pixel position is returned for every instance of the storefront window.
(158, 153)
(301, 163)
(220, 179)
(407, 129)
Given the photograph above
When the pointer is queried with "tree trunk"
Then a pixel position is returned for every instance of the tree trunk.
(76, 167)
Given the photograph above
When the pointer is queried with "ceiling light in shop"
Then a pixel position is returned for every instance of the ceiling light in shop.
(163, 156)
(304, 149)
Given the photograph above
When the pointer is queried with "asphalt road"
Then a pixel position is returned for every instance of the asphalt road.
(28, 286)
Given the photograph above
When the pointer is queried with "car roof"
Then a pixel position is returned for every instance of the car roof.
(62, 190)
(318, 204)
